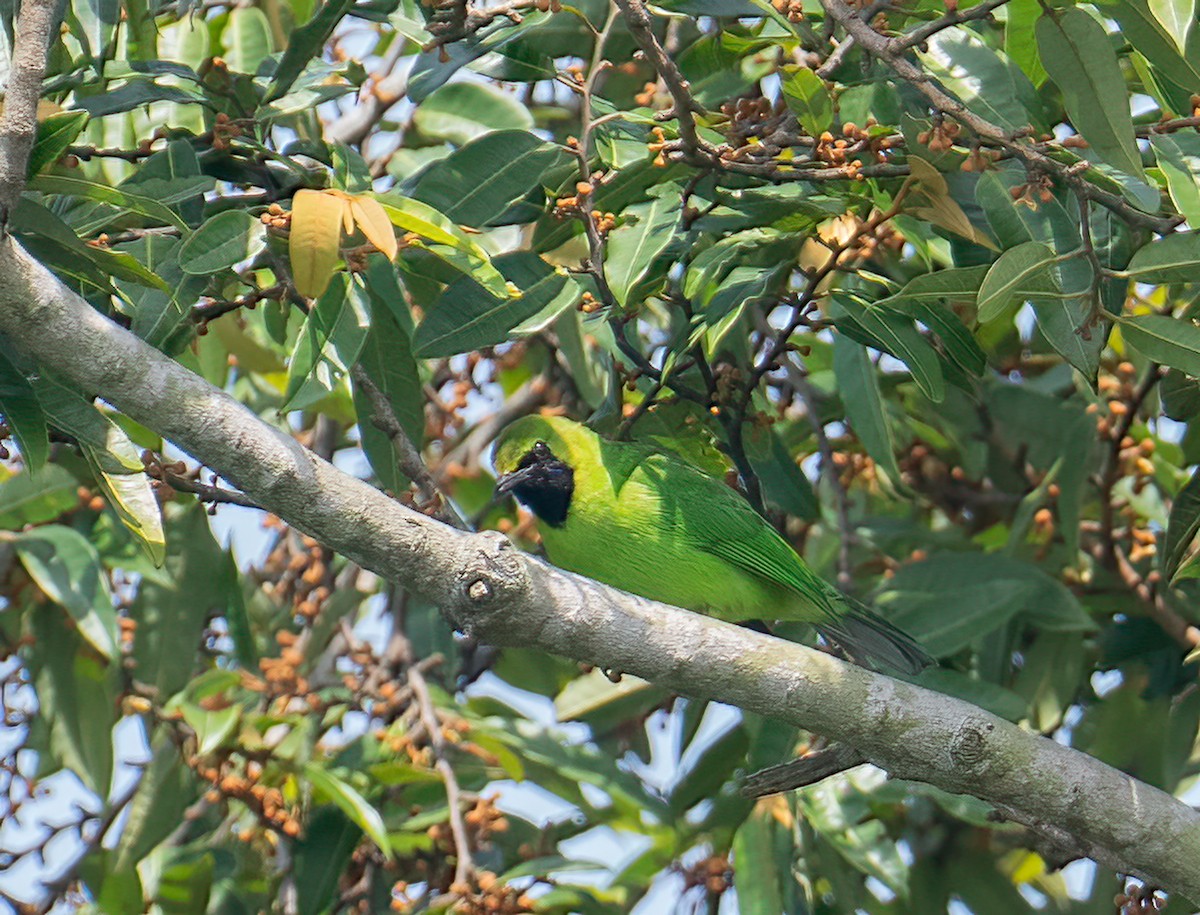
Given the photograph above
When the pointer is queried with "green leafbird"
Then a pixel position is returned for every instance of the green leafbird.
(649, 523)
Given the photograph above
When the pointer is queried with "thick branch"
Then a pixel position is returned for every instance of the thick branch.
(506, 598)
(18, 124)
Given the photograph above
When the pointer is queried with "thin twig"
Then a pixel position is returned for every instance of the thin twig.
(408, 458)
(892, 52)
(685, 107)
(464, 864)
(1171, 622)
(55, 888)
(928, 30)
(214, 495)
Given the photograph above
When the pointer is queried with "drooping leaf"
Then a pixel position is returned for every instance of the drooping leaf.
(316, 231)
(1081, 61)
(67, 568)
(858, 387)
(351, 803)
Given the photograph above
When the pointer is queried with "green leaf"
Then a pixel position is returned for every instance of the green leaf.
(1149, 37)
(200, 583)
(476, 184)
(923, 297)
(304, 44)
(1080, 59)
(1177, 18)
(784, 484)
(956, 284)
(858, 387)
(102, 193)
(894, 333)
(1016, 274)
(77, 698)
(1179, 160)
(449, 242)
(633, 247)
(334, 333)
(951, 599)
(351, 803)
(387, 358)
(1182, 526)
(1174, 342)
(986, 82)
(247, 39)
(467, 317)
(320, 857)
(1180, 395)
(222, 241)
(136, 94)
(35, 498)
(1020, 42)
(808, 99)
(22, 412)
(460, 112)
(166, 789)
(113, 457)
(1174, 258)
(54, 136)
(67, 568)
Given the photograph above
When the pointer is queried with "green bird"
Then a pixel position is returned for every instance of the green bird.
(649, 523)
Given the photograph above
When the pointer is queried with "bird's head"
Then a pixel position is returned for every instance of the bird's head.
(532, 459)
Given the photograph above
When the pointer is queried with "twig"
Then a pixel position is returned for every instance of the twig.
(929, 29)
(891, 52)
(408, 458)
(1172, 623)
(803, 771)
(1110, 469)
(18, 123)
(685, 106)
(464, 864)
(207, 493)
(55, 888)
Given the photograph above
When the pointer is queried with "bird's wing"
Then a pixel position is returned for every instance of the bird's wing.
(723, 524)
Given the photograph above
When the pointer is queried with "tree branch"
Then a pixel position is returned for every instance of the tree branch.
(18, 124)
(408, 458)
(638, 20)
(892, 52)
(504, 597)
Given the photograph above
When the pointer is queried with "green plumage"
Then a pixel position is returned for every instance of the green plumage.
(651, 524)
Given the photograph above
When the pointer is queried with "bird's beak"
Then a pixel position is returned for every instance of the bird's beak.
(506, 483)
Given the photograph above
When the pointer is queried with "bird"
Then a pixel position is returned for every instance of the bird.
(645, 521)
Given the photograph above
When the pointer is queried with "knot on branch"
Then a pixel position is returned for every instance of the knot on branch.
(969, 747)
(491, 576)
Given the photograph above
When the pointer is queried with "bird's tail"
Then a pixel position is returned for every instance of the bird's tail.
(870, 640)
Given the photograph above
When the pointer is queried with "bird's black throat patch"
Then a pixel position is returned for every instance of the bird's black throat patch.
(544, 484)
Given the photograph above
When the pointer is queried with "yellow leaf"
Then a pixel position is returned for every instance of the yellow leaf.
(941, 209)
(373, 221)
(317, 219)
